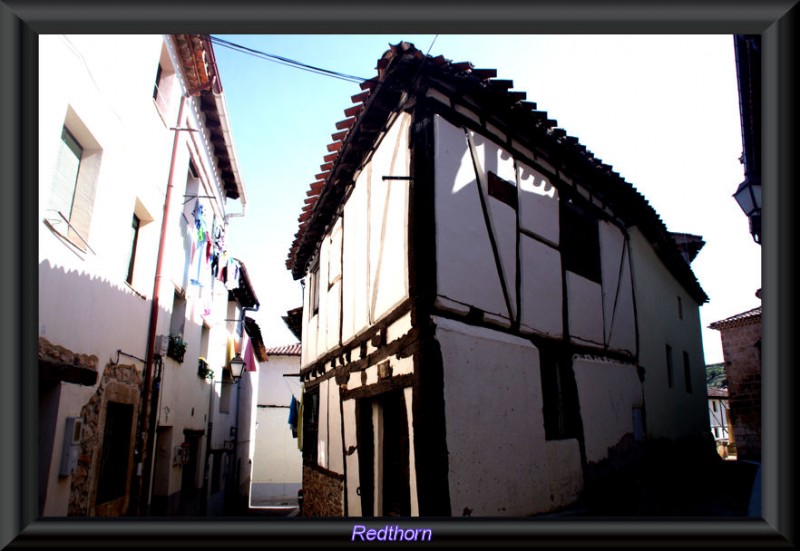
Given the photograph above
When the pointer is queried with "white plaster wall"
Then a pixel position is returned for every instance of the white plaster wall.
(408, 394)
(273, 387)
(465, 264)
(322, 430)
(374, 252)
(85, 304)
(541, 291)
(352, 480)
(499, 462)
(333, 286)
(618, 313)
(585, 303)
(335, 454)
(563, 472)
(671, 412)
(388, 223)
(502, 218)
(607, 391)
(277, 459)
(538, 204)
(354, 273)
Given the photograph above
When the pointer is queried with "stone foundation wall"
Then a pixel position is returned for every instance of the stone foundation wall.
(121, 383)
(323, 493)
(741, 350)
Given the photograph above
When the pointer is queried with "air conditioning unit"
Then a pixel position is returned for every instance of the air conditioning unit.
(162, 342)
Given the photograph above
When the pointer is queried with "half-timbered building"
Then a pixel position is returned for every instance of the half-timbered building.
(491, 314)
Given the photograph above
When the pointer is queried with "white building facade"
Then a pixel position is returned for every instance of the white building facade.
(277, 465)
(138, 180)
(491, 315)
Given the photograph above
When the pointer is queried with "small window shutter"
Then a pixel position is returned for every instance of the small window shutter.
(68, 162)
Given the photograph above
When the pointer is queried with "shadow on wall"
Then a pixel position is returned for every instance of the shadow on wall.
(73, 303)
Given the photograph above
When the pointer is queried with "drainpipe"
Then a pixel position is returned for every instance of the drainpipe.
(144, 448)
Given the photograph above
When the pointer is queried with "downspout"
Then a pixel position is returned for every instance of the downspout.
(144, 485)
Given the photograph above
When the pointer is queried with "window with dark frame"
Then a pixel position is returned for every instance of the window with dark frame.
(65, 179)
(670, 370)
(687, 372)
(502, 190)
(159, 71)
(310, 425)
(134, 241)
(580, 240)
(314, 290)
(559, 394)
(680, 308)
(72, 189)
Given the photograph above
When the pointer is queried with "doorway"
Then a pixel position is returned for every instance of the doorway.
(383, 446)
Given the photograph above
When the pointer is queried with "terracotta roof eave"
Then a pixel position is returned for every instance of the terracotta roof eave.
(744, 318)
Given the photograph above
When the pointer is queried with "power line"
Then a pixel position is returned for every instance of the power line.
(285, 60)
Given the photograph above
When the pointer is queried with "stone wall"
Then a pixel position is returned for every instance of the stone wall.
(323, 493)
(119, 383)
(741, 346)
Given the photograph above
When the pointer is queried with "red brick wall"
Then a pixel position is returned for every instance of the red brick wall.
(741, 349)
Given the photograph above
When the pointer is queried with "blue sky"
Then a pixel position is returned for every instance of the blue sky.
(661, 109)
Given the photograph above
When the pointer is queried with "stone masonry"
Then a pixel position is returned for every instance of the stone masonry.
(324, 493)
(120, 383)
(741, 348)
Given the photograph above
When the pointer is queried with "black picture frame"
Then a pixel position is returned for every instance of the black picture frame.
(21, 21)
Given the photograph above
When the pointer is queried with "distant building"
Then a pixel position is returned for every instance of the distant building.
(492, 316)
(741, 349)
(719, 419)
(277, 462)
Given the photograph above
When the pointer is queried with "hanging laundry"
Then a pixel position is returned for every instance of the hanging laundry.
(214, 264)
(197, 213)
(300, 425)
(223, 261)
(198, 263)
(218, 234)
(293, 416)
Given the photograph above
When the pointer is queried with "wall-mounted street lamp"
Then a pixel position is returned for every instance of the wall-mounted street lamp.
(237, 367)
(748, 195)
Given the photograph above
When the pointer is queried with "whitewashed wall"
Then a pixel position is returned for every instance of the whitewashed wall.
(353, 480)
(608, 392)
(85, 304)
(671, 412)
(618, 312)
(466, 271)
(277, 461)
(363, 258)
(499, 461)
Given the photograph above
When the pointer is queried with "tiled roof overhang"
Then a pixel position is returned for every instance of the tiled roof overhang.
(199, 66)
(745, 318)
(404, 71)
(717, 393)
(294, 321)
(286, 350)
(244, 294)
(254, 332)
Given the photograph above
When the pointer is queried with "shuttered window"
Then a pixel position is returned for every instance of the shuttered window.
(62, 193)
(73, 187)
